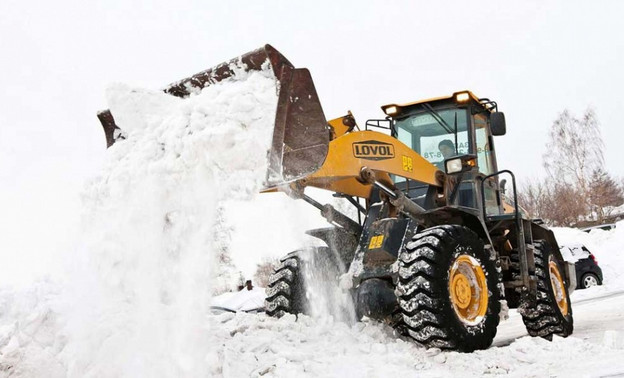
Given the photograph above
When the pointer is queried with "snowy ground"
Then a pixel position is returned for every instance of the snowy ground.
(256, 345)
(598, 319)
(134, 299)
(253, 345)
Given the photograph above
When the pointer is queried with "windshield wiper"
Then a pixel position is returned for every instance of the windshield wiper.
(455, 127)
(438, 118)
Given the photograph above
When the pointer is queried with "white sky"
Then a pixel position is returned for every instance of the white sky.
(534, 58)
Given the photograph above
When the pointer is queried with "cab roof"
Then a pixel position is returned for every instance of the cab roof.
(487, 104)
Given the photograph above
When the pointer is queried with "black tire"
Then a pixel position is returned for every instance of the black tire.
(546, 318)
(424, 295)
(398, 323)
(286, 290)
(589, 280)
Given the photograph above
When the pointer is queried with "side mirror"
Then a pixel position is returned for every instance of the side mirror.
(503, 184)
(497, 124)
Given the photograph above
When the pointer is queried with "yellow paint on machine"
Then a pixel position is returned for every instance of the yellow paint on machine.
(380, 152)
(376, 242)
(408, 164)
(340, 126)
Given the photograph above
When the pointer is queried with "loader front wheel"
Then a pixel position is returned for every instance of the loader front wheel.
(305, 277)
(447, 289)
(552, 312)
(286, 291)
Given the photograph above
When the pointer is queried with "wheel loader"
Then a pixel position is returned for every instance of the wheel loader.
(438, 250)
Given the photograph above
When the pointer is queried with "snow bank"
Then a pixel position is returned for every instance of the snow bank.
(607, 247)
(243, 300)
(30, 337)
(138, 288)
(250, 345)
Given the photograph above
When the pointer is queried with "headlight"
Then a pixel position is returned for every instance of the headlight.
(462, 97)
(454, 166)
(460, 163)
(391, 110)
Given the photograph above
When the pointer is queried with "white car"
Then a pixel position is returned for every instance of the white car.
(244, 300)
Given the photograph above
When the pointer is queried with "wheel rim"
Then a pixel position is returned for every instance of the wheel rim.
(468, 290)
(590, 281)
(558, 287)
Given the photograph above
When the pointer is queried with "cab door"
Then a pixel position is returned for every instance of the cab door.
(486, 161)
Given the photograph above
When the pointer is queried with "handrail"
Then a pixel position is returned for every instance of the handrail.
(513, 181)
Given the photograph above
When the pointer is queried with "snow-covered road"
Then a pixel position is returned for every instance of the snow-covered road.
(256, 345)
(598, 319)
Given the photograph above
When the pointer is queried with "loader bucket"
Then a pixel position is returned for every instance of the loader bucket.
(300, 136)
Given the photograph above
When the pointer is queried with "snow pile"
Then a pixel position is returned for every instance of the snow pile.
(139, 287)
(250, 346)
(30, 339)
(607, 247)
(243, 300)
(153, 212)
(573, 252)
(327, 300)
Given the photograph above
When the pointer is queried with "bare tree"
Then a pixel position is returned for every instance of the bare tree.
(605, 194)
(566, 205)
(575, 149)
(264, 269)
(573, 153)
(556, 203)
(533, 197)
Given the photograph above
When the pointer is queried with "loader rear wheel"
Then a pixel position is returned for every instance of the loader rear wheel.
(552, 314)
(447, 289)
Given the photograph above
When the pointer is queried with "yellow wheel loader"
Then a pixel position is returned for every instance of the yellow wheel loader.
(436, 251)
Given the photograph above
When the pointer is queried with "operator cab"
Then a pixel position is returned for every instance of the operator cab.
(444, 128)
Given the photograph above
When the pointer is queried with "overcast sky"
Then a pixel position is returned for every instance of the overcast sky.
(535, 58)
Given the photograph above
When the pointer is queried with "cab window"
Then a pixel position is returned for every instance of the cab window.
(435, 136)
(483, 148)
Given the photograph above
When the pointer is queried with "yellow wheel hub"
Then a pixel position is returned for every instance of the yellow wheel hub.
(558, 286)
(468, 289)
